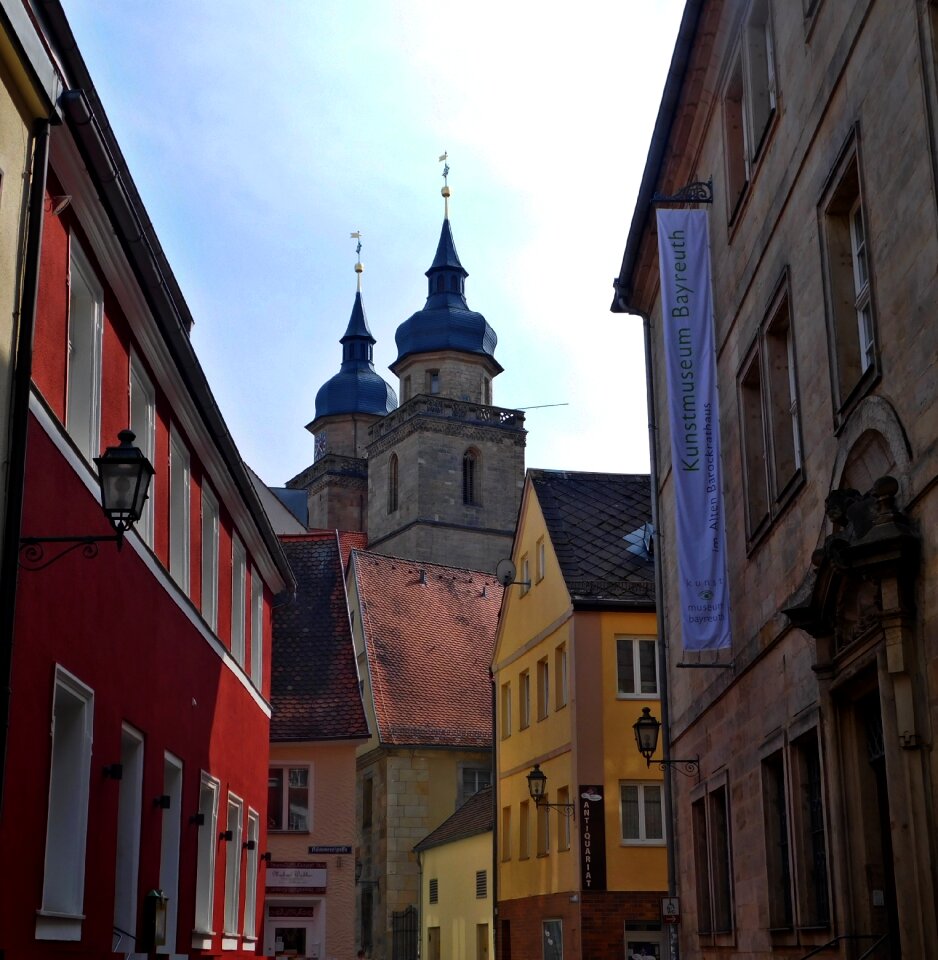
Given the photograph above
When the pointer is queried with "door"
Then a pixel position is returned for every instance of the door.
(482, 941)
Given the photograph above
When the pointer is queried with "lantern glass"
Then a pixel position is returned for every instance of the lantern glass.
(125, 479)
(537, 783)
(646, 730)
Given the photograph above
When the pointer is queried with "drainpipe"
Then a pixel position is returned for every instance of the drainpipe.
(19, 423)
(671, 929)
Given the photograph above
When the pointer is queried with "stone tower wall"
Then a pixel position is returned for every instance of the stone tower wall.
(462, 376)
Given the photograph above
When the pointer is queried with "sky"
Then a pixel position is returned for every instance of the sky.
(261, 133)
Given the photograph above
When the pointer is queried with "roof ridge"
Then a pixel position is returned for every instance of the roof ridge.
(423, 564)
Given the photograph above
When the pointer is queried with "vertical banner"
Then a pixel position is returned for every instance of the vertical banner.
(592, 813)
(690, 357)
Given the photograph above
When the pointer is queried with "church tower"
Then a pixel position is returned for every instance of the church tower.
(346, 406)
(446, 469)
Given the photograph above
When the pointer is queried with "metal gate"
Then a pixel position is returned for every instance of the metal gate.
(404, 934)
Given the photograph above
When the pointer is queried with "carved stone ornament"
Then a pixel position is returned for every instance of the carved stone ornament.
(873, 545)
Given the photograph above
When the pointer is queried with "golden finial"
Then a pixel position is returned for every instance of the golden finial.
(357, 235)
(445, 191)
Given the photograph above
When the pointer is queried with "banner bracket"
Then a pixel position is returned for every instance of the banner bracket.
(700, 191)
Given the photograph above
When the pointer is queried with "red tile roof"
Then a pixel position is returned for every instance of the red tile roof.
(429, 634)
(314, 679)
(475, 816)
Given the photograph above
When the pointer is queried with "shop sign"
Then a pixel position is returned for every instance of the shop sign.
(296, 876)
(591, 807)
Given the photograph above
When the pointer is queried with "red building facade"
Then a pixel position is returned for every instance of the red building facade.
(138, 737)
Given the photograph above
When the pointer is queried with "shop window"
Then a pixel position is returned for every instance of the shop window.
(552, 931)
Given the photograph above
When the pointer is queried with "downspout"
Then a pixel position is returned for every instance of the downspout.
(19, 424)
(494, 818)
(673, 946)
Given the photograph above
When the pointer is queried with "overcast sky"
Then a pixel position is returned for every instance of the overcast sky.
(261, 133)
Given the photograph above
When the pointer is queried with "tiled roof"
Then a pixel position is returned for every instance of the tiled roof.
(429, 640)
(314, 680)
(596, 523)
(472, 818)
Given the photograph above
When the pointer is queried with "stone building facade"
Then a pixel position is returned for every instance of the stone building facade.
(813, 821)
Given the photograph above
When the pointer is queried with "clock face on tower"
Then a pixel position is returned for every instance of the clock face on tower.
(321, 446)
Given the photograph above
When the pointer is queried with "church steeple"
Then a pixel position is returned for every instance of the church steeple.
(446, 323)
(356, 388)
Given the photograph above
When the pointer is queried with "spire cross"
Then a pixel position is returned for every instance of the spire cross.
(445, 191)
(357, 235)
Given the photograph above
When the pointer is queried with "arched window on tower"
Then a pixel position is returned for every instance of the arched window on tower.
(471, 477)
(392, 483)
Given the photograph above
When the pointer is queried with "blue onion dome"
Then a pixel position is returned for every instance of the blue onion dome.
(356, 388)
(446, 322)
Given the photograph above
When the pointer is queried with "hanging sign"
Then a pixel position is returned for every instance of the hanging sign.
(687, 326)
(591, 810)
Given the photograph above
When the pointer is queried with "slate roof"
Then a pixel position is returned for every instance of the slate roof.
(314, 678)
(472, 818)
(429, 642)
(356, 388)
(446, 322)
(596, 522)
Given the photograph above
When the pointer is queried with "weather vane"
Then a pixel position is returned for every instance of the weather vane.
(444, 156)
(357, 235)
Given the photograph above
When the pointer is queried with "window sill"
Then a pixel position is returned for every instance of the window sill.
(202, 939)
(230, 942)
(642, 843)
(58, 926)
(638, 696)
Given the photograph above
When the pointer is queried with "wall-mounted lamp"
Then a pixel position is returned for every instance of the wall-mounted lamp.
(358, 877)
(249, 844)
(124, 474)
(646, 729)
(113, 771)
(226, 835)
(537, 787)
(198, 819)
(162, 801)
(266, 856)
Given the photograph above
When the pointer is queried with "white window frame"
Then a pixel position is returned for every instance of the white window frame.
(257, 628)
(233, 823)
(170, 837)
(210, 528)
(86, 431)
(637, 694)
(540, 559)
(143, 424)
(859, 247)
(180, 542)
(63, 888)
(525, 582)
(285, 808)
(476, 768)
(129, 810)
(642, 840)
(250, 875)
(238, 589)
(209, 792)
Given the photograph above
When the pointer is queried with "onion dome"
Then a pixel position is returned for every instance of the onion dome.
(356, 388)
(446, 322)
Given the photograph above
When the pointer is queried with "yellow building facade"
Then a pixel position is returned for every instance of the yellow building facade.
(456, 884)
(575, 663)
